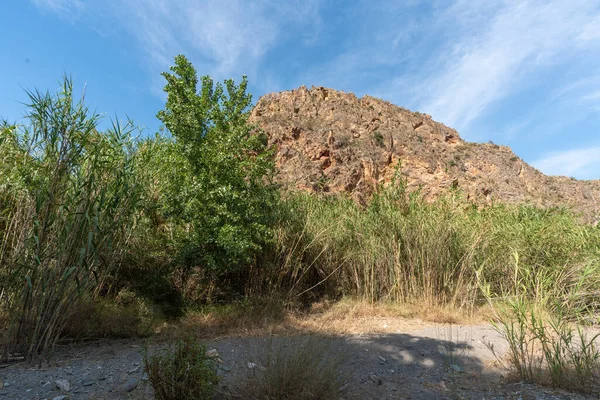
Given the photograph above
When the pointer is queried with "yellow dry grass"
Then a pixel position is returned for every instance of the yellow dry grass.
(344, 317)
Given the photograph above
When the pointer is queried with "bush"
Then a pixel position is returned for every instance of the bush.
(294, 368)
(182, 372)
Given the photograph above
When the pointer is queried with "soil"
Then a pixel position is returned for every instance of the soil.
(403, 360)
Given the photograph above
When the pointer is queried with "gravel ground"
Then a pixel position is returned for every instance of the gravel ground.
(431, 362)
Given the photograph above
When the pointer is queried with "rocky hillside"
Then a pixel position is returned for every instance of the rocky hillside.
(331, 141)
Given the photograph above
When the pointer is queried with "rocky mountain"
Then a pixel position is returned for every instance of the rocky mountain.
(331, 141)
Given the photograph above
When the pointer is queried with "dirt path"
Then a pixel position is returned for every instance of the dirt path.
(426, 362)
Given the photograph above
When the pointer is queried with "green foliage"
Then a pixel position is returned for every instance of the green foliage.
(218, 171)
(70, 200)
(378, 139)
(182, 372)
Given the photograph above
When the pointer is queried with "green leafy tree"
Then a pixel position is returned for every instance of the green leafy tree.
(223, 190)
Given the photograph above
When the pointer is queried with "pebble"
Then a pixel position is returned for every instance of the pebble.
(457, 368)
(87, 383)
(376, 380)
(63, 385)
(252, 365)
(63, 397)
(129, 385)
(382, 359)
(212, 353)
(133, 370)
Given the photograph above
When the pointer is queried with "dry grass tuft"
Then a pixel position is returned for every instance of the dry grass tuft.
(293, 368)
(247, 318)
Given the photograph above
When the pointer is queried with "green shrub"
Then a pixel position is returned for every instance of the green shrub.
(183, 371)
(378, 139)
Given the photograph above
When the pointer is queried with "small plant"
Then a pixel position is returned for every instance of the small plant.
(323, 183)
(182, 372)
(378, 139)
(453, 350)
(294, 368)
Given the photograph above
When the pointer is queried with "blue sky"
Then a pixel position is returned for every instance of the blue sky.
(520, 73)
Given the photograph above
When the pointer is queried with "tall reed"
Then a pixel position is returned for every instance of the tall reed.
(403, 248)
(69, 205)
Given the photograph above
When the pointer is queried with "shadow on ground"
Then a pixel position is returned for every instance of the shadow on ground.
(436, 362)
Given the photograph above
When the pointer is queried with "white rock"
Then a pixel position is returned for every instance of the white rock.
(212, 353)
(129, 385)
(63, 385)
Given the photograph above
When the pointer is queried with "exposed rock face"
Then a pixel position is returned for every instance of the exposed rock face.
(331, 141)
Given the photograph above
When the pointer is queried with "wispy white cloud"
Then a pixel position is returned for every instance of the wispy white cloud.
(59, 5)
(582, 163)
(592, 100)
(222, 37)
(500, 57)
(68, 9)
(456, 60)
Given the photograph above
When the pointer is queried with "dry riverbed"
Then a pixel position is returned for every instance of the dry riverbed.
(403, 360)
